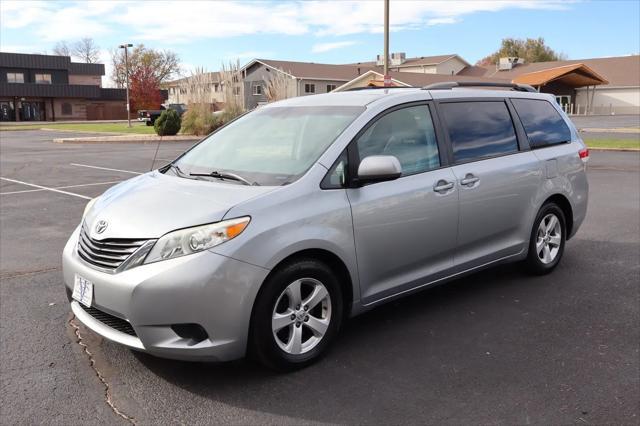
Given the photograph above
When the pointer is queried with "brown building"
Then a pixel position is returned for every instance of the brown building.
(596, 85)
(52, 88)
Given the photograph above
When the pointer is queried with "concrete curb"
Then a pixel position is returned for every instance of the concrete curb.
(615, 149)
(609, 130)
(128, 138)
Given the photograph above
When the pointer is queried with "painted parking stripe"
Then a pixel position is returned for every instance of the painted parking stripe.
(62, 187)
(46, 188)
(105, 168)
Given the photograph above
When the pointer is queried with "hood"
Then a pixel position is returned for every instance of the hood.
(150, 205)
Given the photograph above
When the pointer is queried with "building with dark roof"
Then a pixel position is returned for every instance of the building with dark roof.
(597, 85)
(52, 88)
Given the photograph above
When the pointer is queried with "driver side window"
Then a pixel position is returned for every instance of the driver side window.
(408, 134)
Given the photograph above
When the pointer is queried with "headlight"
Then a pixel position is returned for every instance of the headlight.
(88, 206)
(192, 240)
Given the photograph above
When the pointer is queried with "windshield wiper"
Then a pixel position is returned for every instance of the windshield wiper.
(177, 169)
(226, 175)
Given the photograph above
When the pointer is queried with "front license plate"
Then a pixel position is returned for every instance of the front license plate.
(83, 290)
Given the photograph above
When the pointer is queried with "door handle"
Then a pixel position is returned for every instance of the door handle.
(469, 180)
(443, 186)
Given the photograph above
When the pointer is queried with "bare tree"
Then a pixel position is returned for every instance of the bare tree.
(62, 49)
(233, 89)
(277, 86)
(86, 50)
(198, 85)
(165, 63)
(199, 118)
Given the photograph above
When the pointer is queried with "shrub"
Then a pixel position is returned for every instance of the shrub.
(168, 124)
(199, 120)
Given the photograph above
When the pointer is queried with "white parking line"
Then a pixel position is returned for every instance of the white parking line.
(46, 188)
(105, 168)
(61, 187)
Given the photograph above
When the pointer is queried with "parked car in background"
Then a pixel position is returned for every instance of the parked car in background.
(149, 116)
(247, 242)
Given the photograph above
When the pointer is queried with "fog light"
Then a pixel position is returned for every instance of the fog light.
(193, 332)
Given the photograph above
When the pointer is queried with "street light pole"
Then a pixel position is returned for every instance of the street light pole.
(387, 78)
(126, 70)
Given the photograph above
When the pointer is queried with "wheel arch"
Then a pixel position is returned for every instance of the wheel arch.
(329, 258)
(565, 205)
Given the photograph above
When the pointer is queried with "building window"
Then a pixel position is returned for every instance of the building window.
(257, 90)
(15, 77)
(43, 78)
(309, 88)
(67, 109)
(331, 87)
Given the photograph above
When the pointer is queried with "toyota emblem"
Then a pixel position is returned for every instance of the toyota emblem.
(101, 226)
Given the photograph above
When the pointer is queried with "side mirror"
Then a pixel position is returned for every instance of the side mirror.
(379, 168)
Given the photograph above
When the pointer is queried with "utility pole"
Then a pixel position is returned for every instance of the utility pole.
(387, 78)
(126, 70)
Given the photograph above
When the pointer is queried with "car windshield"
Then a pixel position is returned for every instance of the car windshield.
(269, 146)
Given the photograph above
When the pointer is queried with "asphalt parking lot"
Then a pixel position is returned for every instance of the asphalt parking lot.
(498, 347)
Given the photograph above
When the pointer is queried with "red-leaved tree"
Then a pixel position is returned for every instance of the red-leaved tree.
(144, 89)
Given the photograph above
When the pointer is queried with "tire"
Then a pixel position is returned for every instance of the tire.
(284, 335)
(546, 243)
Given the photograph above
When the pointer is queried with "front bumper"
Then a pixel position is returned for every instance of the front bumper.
(213, 291)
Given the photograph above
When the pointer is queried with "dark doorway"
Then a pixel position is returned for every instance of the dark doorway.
(32, 111)
(7, 111)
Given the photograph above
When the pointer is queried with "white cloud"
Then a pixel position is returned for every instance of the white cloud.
(187, 21)
(325, 47)
(439, 21)
(55, 21)
(353, 17)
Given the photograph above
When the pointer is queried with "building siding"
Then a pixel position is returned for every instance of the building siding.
(609, 100)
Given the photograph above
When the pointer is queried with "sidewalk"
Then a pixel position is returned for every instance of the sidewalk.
(129, 138)
(49, 123)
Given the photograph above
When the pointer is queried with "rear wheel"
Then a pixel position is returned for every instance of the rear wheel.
(296, 316)
(547, 241)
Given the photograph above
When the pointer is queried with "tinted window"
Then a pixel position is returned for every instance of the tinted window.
(337, 176)
(407, 134)
(541, 121)
(479, 129)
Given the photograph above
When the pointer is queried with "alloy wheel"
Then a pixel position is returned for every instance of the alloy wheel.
(548, 238)
(301, 316)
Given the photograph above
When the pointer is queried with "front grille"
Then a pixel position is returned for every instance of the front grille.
(109, 253)
(110, 321)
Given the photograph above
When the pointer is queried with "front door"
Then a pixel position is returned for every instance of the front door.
(405, 229)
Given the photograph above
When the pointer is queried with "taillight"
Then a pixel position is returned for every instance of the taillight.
(584, 154)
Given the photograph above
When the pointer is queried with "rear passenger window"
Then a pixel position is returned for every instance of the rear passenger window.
(543, 124)
(479, 129)
(407, 134)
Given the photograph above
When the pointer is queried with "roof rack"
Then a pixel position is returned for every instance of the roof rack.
(354, 89)
(453, 84)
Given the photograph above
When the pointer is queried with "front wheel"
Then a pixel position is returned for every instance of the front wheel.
(547, 240)
(296, 316)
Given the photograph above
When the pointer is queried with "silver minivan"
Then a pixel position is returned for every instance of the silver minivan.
(269, 233)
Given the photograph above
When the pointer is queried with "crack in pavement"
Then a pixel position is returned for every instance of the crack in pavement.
(21, 273)
(92, 363)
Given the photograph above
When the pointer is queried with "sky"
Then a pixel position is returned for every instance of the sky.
(208, 33)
